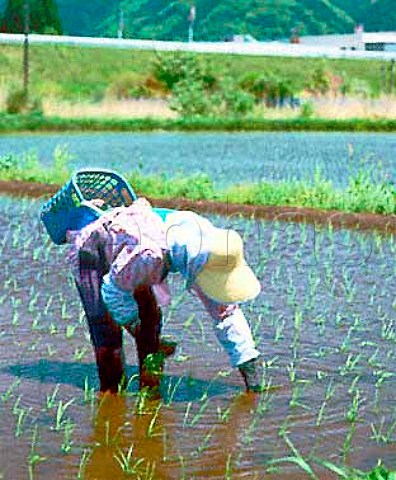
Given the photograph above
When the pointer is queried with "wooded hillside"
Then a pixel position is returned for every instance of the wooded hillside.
(217, 19)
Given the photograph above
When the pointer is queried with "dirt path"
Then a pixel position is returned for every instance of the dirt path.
(361, 221)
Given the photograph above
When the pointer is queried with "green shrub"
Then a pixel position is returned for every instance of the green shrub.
(356, 87)
(17, 101)
(232, 99)
(196, 92)
(8, 163)
(364, 195)
(190, 99)
(129, 85)
(270, 88)
(173, 69)
(307, 110)
(152, 87)
(196, 187)
(319, 80)
(124, 86)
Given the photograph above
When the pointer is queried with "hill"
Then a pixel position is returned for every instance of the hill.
(215, 20)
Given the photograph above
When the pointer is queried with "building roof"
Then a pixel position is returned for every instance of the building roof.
(379, 37)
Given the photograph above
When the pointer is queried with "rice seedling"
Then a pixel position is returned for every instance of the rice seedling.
(53, 329)
(51, 398)
(350, 364)
(60, 419)
(10, 390)
(352, 387)
(67, 441)
(197, 416)
(187, 413)
(70, 330)
(51, 351)
(296, 458)
(48, 305)
(128, 464)
(383, 433)
(34, 457)
(33, 301)
(83, 463)
(150, 429)
(381, 376)
(347, 446)
(20, 414)
(172, 389)
(80, 353)
(224, 415)
(89, 392)
(280, 325)
(388, 331)
(330, 390)
(353, 411)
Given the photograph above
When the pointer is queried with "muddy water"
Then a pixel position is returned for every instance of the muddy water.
(325, 323)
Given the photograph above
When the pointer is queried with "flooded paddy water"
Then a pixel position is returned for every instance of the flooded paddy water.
(325, 323)
(226, 157)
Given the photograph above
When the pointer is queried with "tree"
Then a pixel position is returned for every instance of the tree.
(43, 17)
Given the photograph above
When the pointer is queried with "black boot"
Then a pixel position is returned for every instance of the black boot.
(167, 346)
(147, 336)
(252, 373)
(110, 363)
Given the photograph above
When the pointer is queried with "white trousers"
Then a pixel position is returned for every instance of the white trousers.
(231, 329)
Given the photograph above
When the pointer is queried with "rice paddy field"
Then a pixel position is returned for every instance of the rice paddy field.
(226, 158)
(324, 322)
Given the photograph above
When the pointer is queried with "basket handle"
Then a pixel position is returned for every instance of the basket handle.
(128, 198)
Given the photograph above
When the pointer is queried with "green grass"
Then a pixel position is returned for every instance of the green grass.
(361, 195)
(69, 72)
(39, 123)
(77, 74)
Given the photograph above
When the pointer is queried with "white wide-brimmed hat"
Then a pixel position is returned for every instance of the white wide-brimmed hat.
(226, 277)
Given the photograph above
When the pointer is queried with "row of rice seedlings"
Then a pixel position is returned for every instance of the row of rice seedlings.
(352, 361)
(298, 317)
(25, 419)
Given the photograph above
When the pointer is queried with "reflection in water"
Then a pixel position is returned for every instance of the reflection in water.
(144, 439)
(132, 439)
(233, 441)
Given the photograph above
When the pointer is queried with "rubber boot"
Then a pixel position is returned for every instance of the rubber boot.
(252, 374)
(147, 338)
(110, 363)
(167, 346)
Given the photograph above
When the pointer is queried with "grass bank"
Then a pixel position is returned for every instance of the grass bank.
(360, 195)
(40, 123)
(77, 74)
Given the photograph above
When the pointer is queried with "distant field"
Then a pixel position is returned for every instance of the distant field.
(81, 74)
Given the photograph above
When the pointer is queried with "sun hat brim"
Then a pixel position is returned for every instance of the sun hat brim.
(237, 285)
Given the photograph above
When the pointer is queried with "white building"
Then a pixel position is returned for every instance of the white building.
(360, 40)
(381, 41)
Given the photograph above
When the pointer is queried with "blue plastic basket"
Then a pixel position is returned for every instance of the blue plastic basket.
(66, 209)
